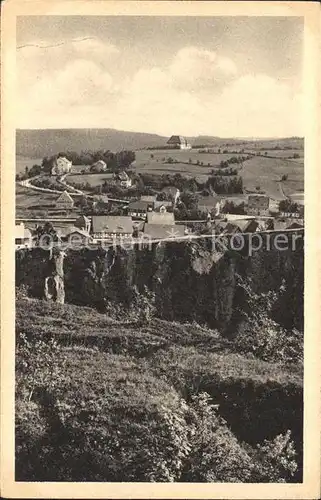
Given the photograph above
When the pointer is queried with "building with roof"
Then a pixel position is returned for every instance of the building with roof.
(23, 236)
(74, 236)
(148, 197)
(165, 218)
(161, 206)
(164, 231)
(111, 227)
(61, 166)
(237, 226)
(178, 142)
(64, 201)
(99, 166)
(213, 207)
(138, 209)
(258, 204)
(123, 179)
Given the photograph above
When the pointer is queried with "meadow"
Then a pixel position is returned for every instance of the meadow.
(23, 161)
(266, 172)
(92, 179)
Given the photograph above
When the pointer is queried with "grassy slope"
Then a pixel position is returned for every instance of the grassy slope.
(109, 401)
(158, 342)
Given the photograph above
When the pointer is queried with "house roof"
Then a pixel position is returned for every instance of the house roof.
(177, 139)
(150, 198)
(112, 224)
(164, 231)
(74, 230)
(165, 203)
(256, 197)
(100, 162)
(160, 218)
(65, 197)
(123, 176)
(295, 224)
(138, 205)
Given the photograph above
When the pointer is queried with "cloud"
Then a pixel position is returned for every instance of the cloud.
(199, 68)
(197, 92)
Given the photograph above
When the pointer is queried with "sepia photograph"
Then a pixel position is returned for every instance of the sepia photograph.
(159, 248)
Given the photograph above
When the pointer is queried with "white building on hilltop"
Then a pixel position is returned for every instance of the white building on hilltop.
(178, 142)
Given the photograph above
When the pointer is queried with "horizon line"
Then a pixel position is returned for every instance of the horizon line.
(154, 133)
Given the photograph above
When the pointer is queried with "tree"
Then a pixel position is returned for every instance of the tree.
(189, 199)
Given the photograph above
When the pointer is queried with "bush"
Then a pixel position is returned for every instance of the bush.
(95, 417)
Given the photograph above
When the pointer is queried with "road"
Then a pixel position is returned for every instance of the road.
(27, 183)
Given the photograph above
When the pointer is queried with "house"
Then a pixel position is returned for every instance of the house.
(61, 166)
(23, 236)
(178, 142)
(295, 224)
(162, 206)
(150, 198)
(258, 204)
(74, 236)
(165, 218)
(164, 231)
(237, 226)
(138, 209)
(99, 166)
(64, 201)
(172, 193)
(83, 223)
(123, 179)
(213, 207)
(111, 227)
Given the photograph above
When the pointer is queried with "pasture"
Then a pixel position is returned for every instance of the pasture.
(23, 161)
(92, 179)
(152, 162)
(266, 172)
(279, 153)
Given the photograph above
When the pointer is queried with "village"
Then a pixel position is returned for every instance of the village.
(168, 213)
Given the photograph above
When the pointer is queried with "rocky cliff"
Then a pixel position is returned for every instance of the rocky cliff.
(190, 280)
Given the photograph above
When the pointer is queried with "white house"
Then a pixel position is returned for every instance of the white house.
(23, 236)
(178, 142)
(123, 179)
(61, 166)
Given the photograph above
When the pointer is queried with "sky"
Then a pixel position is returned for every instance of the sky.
(219, 76)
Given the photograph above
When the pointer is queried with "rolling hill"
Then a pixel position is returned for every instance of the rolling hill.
(38, 143)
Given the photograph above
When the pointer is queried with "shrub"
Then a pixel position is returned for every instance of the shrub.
(95, 417)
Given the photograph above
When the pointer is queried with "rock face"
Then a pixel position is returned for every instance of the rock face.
(54, 283)
(191, 281)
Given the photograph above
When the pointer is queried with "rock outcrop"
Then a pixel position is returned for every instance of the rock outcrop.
(190, 280)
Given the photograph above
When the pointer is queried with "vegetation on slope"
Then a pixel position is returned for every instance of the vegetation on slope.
(100, 399)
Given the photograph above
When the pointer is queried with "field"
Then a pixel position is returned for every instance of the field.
(152, 161)
(92, 179)
(28, 200)
(30, 203)
(266, 172)
(22, 162)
